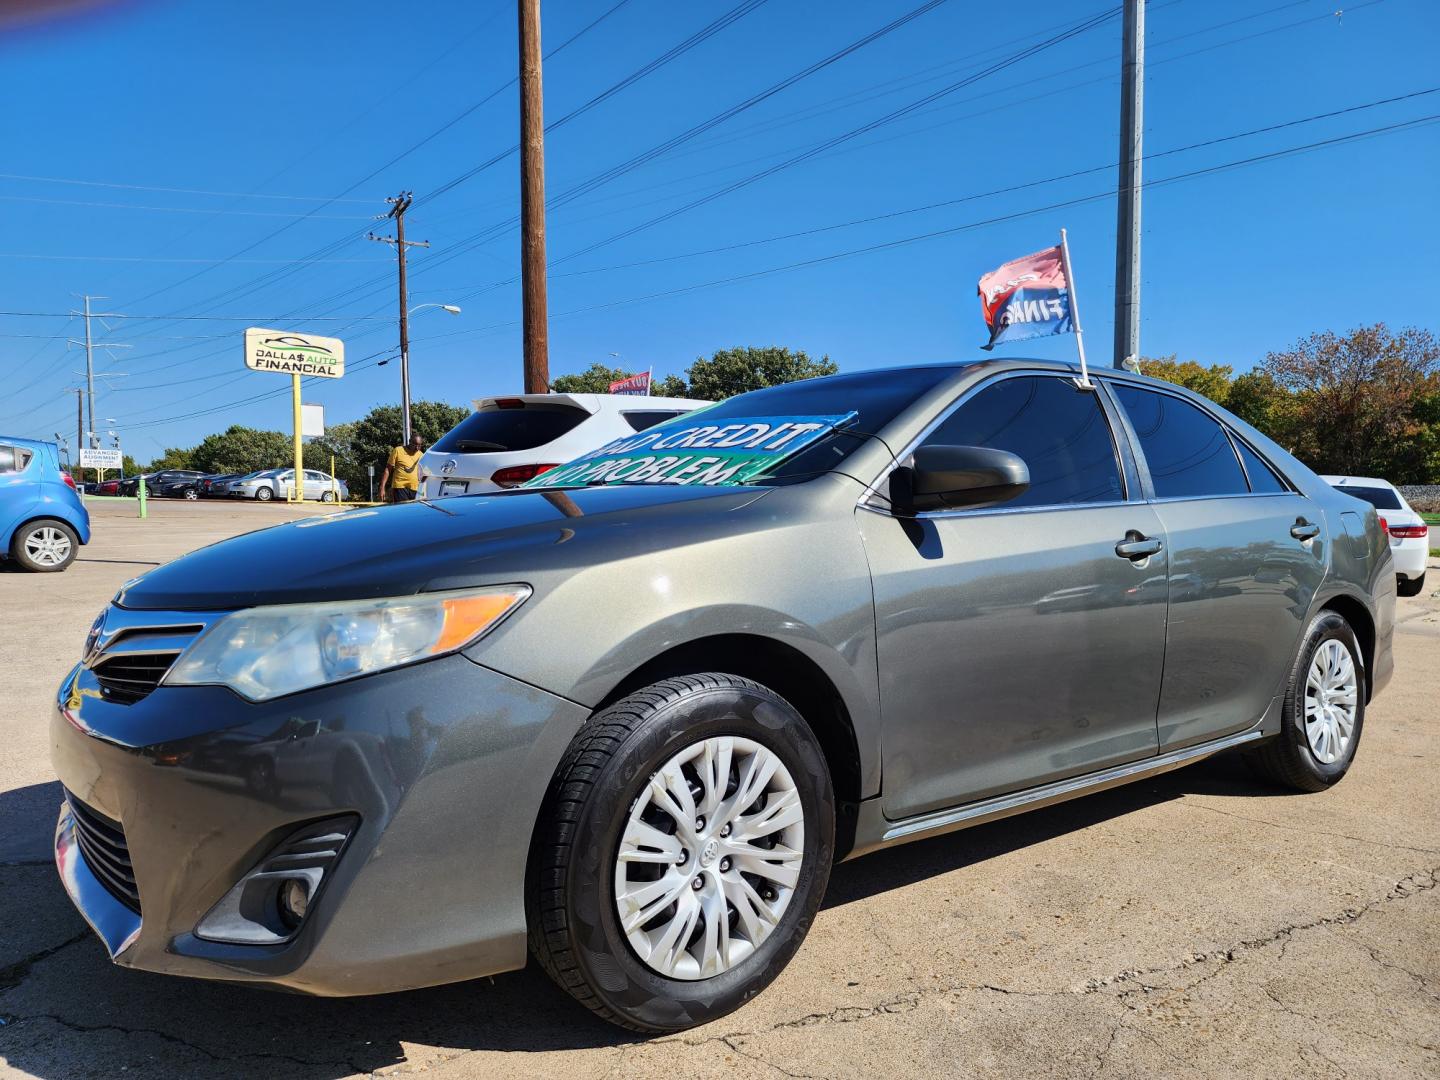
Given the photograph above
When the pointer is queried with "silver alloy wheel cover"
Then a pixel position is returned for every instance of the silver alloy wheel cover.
(48, 546)
(683, 930)
(1331, 689)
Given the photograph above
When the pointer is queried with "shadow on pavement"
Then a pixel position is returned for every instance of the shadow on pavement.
(67, 1011)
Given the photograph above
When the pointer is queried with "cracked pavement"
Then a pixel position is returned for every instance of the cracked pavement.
(1201, 924)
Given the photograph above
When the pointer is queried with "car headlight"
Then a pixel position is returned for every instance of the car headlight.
(265, 652)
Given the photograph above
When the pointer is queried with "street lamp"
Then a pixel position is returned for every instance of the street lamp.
(453, 309)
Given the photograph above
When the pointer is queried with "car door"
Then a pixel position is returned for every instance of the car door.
(315, 484)
(18, 492)
(1019, 644)
(1247, 553)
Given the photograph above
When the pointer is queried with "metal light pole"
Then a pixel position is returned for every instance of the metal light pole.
(1127, 218)
(532, 203)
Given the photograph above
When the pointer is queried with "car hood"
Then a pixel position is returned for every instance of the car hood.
(421, 547)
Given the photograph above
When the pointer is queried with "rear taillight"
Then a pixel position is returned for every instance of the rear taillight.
(70, 480)
(1409, 532)
(518, 474)
(1384, 525)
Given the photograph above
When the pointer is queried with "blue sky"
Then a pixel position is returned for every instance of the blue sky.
(307, 100)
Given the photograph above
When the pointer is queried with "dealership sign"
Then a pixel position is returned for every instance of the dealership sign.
(294, 354)
(689, 451)
(100, 457)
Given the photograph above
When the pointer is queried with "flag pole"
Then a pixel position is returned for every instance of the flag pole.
(1074, 309)
(650, 381)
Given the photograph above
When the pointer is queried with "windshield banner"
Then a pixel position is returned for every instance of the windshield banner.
(692, 452)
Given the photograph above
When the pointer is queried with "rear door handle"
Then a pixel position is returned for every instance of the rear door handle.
(1304, 530)
(1137, 545)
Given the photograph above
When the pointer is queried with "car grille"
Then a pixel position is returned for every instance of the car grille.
(129, 661)
(127, 678)
(102, 843)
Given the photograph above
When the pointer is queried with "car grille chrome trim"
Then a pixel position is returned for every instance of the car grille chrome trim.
(106, 852)
(132, 651)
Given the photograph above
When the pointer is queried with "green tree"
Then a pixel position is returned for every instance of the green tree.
(380, 431)
(240, 449)
(1361, 400)
(734, 371)
(670, 386)
(174, 457)
(1213, 381)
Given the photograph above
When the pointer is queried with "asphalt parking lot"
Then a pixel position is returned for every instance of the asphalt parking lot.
(1200, 924)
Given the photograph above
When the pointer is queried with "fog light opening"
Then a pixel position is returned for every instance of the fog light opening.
(294, 901)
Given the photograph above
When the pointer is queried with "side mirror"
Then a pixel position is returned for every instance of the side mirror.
(956, 478)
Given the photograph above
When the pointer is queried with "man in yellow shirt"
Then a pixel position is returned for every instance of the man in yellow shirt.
(402, 472)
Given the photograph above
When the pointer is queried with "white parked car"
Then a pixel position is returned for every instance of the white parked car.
(508, 440)
(1409, 535)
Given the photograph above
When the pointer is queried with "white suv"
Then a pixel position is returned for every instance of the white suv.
(508, 440)
(1409, 535)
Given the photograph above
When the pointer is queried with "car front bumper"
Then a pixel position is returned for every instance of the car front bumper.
(445, 764)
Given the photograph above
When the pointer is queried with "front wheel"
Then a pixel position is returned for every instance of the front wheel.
(264, 494)
(1410, 586)
(1324, 710)
(683, 850)
(44, 547)
(191, 494)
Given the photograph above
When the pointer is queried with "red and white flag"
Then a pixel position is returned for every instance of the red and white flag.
(632, 384)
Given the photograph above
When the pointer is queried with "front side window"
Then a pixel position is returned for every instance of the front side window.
(1188, 452)
(1057, 429)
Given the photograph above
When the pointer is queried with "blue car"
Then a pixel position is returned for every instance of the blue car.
(42, 519)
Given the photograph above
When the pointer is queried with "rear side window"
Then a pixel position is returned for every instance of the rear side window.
(522, 426)
(1188, 452)
(7, 459)
(1058, 430)
(1378, 497)
(639, 421)
(1262, 478)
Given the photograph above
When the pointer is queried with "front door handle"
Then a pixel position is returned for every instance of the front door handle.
(1304, 530)
(1137, 545)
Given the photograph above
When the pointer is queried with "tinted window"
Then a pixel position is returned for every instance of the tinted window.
(1189, 453)
(522, 426)
(1262, 477)
(1058, 430)
(1380, 498)
(639, 421)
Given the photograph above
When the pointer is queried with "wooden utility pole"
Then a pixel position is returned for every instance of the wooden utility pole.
(398, 205)
(532, 203)
(1127, 216)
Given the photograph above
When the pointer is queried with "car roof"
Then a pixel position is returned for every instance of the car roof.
(594, 403)
(32, 444)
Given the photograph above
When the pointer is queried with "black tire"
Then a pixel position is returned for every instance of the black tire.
(264, 494)
(574, 925)
(1410, 586)
(1287, 758)
(327, 496)
(29, 529)
(191, 494)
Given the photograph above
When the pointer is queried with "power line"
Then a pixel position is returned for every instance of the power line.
(184, 209)
(175, 190)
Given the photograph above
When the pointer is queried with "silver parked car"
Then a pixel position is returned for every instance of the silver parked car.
(278, 483)
(626, 718)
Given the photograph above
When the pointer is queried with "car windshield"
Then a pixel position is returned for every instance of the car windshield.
(776, 435)
(1378, 497)
(508, 424)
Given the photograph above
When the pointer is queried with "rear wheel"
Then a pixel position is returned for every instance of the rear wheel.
(1410, 586)
(1324, 710)
(45, 546)
(327, 496)
(684, 848)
